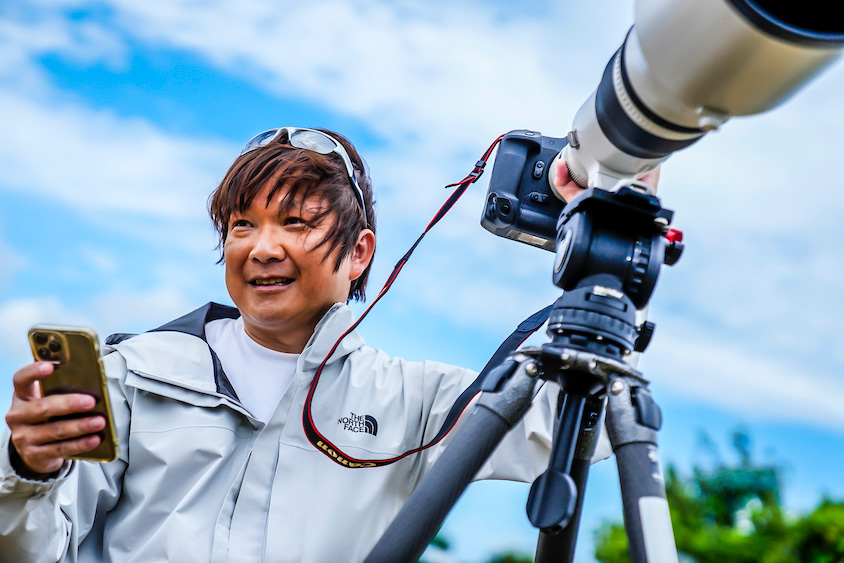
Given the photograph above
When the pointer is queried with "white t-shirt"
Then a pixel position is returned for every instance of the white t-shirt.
(260, 376)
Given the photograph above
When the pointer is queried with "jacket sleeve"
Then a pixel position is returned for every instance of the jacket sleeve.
(49, 521)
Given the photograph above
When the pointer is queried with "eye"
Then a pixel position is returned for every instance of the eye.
(239, 223)
(296, 221)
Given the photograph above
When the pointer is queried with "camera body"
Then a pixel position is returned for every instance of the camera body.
(519, 204)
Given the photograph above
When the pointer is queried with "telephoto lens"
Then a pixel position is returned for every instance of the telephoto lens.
(685, 68)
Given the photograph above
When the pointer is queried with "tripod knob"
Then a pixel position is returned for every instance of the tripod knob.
(646, 332)
(675, 246)
(552, 500)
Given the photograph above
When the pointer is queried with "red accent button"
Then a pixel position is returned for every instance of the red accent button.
(674, 235)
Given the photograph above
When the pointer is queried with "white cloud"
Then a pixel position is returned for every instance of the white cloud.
(113, 311)
(16, 316)
(692, 362)
(98, 261)
(125, 310)
(364, 59)
(30, 33)
(437, 82)
(404, 67)
(97, 161)
(54, 146)
(11, 261)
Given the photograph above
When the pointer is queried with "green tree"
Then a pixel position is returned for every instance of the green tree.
(819, 538)
(511, 557)
(733, 514)
(439, 543)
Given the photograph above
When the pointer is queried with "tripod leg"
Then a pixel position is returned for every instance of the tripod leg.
(510, 390)
(632, 422)
(559, 548)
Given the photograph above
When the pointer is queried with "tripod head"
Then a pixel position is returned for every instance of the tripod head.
(610, 247)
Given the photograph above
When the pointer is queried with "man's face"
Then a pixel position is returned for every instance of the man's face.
(280, 282)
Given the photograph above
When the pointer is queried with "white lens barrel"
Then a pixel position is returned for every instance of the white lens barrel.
(685, 68)
(687, 58)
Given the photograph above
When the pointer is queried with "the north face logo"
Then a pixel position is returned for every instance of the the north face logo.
(359, 423)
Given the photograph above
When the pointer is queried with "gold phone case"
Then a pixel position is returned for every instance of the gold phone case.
(78, 368)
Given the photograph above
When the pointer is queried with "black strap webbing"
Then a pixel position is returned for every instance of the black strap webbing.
(525, 329)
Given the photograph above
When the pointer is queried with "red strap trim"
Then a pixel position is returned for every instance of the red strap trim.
(315, 436)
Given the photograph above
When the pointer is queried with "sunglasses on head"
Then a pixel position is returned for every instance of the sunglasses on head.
(310, 140)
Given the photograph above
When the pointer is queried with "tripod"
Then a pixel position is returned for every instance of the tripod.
(610, 248)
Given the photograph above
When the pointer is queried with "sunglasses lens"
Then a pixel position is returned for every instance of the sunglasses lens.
(260, 140)
(313, 141)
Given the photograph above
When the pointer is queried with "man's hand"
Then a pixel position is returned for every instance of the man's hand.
(566, 187)
(41, 444)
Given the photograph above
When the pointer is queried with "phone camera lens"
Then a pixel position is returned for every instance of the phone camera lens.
(55, 346)
(40, 339)
(43, 353)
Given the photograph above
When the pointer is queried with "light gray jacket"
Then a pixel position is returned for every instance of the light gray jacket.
(200, 479)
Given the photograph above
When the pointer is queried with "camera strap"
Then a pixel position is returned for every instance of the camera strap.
(525, 329)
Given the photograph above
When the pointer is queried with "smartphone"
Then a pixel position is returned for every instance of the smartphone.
(77, 368)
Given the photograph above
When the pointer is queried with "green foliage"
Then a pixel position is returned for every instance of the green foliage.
(611, 544)
(440, 544)
(819, 538)
(511, 557)
(733, 514)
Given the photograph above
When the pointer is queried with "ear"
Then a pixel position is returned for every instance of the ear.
(362, 253)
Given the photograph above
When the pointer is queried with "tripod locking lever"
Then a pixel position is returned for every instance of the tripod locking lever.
(553, 496)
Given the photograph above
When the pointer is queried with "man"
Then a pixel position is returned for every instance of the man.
(210, 409)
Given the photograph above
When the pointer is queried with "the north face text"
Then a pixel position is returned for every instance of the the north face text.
(359, 423)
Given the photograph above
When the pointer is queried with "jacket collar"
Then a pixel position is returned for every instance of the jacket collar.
(194, 322)
(162, 357)
(330, 327)
(333, 324)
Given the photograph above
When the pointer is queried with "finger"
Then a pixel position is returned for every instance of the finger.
(62, 430)
(565, 186)
(652, 177)
(49, 458)
(36, 411)
(25, 378)
(562, 176)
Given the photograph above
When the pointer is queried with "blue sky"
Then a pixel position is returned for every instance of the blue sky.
(121, 116)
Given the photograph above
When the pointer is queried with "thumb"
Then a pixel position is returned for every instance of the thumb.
(25, 380)
(562, 176)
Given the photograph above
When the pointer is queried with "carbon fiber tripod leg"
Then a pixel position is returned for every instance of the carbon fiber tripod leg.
(632, 423)
(507, 397)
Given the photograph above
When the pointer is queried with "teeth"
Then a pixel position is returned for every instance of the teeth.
(273, 281)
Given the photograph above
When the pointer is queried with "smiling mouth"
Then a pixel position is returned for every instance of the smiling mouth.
(272, 281)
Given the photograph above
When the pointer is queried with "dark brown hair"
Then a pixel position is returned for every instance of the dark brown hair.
(305, 174)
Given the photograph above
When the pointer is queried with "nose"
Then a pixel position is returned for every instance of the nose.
(268, 246)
